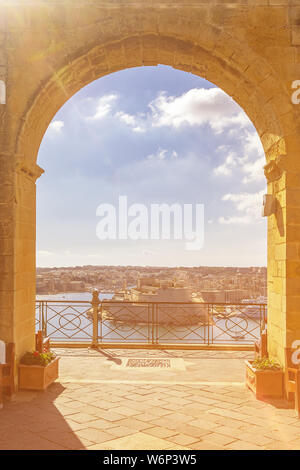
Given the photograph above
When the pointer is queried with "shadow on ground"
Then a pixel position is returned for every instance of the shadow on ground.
(32, 421)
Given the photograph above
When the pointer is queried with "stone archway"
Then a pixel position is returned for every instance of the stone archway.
(52, 51)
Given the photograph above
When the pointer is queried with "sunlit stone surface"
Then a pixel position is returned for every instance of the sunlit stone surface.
(48, 51)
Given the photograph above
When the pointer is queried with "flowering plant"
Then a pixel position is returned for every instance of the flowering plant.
(36, 358)
(266, 364)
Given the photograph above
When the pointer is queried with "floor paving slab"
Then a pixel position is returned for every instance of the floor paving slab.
(203, 405)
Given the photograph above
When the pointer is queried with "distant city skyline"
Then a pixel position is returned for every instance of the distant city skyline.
(156, 135)
(215, 284)
(149, 266)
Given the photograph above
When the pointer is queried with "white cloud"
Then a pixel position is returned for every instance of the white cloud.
(254, 170)
(127, 118)
(249, 161)
(104, 107)
(253, 143)
(235, 220)
(229, 163)
(56, 126)
(163, 154)
(135, 122)
(198, 106)
(253, 149)
(247, 204)
(139, 129)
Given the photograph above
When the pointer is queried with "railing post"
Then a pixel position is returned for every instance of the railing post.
(209, 319)
(95, 307)
(263, 318)
(155, 323)
(44, 321)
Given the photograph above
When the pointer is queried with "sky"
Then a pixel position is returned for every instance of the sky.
(157, 136)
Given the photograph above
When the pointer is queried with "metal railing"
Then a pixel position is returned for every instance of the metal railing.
(104, 322)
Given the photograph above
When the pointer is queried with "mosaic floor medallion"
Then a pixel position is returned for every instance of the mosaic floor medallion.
(151, 363)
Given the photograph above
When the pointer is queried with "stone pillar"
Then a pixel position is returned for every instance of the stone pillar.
(292, 268)
(283, 255)
(17, 252)
(6, 248)
(276, 319)
(25, 255)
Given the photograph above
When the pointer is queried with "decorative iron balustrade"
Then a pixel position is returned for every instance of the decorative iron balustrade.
(64, 320)
(153, 323)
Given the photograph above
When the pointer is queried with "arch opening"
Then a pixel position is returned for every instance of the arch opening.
(173, 120)
(236, 68)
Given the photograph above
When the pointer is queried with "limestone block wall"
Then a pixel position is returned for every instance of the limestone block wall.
(49, 50)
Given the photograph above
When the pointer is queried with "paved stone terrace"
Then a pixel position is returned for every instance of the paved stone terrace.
(163, 410)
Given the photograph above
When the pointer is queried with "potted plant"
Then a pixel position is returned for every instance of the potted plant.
(38, 370)
(264, 377)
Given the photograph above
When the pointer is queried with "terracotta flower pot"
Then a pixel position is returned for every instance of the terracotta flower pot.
(264, 383)
(38, 377)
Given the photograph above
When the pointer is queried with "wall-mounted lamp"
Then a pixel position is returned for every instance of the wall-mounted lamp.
(269, 205)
